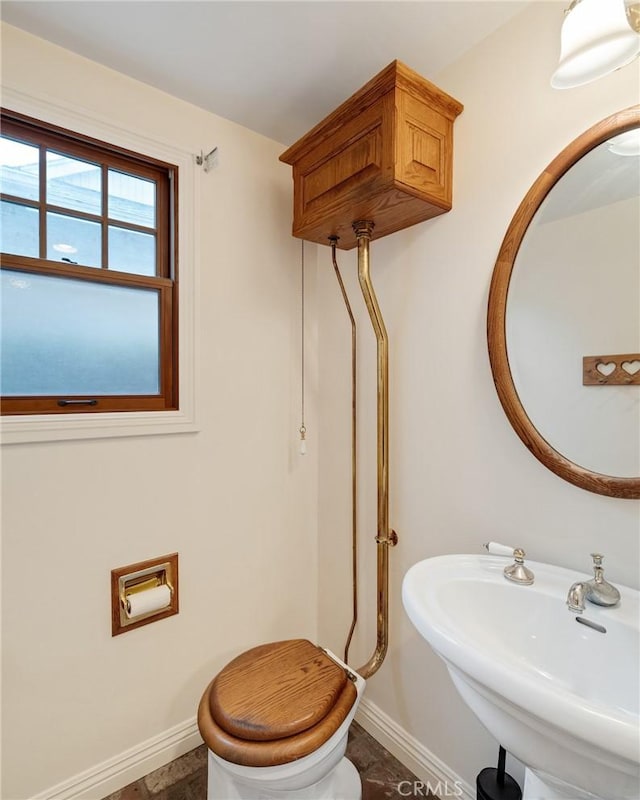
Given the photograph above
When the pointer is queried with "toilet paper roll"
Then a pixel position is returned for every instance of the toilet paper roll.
(150, 600)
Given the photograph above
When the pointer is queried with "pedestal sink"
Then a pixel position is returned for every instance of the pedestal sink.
(562, 697)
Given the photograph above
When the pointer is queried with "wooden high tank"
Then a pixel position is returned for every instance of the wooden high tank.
(385, 155)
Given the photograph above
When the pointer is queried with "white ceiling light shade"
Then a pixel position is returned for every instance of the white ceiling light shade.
(626, 144)
(596, 38)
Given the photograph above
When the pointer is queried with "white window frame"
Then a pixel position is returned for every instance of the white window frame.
(17, 429)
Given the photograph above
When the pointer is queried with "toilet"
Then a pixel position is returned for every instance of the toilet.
(275, 721)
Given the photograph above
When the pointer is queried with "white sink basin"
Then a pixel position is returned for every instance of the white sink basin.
(561, 697)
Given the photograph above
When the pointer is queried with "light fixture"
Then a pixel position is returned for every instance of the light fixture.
(597, 37)
(626, 144)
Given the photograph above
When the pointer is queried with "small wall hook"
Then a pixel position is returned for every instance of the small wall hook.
(207, 161)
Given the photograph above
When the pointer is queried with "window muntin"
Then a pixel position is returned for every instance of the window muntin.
(100, 222)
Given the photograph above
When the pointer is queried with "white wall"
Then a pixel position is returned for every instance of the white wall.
(459, 474)
(235, 499)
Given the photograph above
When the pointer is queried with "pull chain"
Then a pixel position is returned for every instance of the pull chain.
(303, 430)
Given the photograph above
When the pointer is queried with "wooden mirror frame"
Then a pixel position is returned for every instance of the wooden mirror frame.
(496, 318)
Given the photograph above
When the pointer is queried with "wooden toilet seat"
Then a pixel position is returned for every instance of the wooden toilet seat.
(274, 704)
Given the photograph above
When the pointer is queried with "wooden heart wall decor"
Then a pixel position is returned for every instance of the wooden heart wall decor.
(617, 370)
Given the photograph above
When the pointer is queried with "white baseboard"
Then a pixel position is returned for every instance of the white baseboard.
(427, 767)
(138, 761)
(133, 764)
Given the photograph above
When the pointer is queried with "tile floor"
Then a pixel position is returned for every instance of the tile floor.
(186, 778)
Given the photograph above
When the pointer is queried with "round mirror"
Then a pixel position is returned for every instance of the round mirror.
(564, 312)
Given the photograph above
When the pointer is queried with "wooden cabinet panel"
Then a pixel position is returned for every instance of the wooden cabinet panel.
(355, 162)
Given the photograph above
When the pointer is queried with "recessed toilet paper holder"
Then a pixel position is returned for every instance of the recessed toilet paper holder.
(143, 592)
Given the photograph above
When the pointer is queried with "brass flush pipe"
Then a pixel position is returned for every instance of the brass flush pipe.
(354, 448)
(385, 537)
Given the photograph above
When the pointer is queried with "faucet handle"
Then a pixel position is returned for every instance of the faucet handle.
(517, 572)
(598, 569)
(497, 549)
(600, 591)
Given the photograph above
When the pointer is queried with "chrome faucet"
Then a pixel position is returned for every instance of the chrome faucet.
(597, 590)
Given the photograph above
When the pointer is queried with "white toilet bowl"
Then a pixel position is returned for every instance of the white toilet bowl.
(323, 774)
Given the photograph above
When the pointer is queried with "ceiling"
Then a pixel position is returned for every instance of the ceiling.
(275, 67)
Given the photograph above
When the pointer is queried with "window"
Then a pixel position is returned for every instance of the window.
(88, 274)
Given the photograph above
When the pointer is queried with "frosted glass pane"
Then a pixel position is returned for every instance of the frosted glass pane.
(72, 183)
(73, 239)
(19, 232)
(132, 199)
(130, 251)
(19, 168)
(65, 337)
